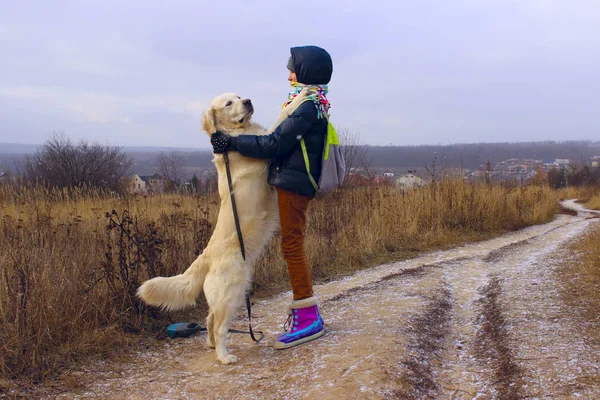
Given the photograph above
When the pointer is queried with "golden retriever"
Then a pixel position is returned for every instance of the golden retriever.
(220, 270)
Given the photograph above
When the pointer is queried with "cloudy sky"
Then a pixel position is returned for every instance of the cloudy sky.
(405, 72)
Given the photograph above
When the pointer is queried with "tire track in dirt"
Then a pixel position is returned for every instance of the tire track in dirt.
(492, 347)
(498, 254)
(407, 273)
(460, 374)
(428, 332)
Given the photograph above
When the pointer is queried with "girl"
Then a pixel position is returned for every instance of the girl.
(309, 67)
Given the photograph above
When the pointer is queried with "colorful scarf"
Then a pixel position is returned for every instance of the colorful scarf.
(317, 93)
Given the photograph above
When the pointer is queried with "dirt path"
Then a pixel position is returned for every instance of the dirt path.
(482, 321)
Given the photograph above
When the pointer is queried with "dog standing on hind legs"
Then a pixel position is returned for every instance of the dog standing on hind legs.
(220, 271)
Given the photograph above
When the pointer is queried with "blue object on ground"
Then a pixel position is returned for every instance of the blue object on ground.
(183, 329)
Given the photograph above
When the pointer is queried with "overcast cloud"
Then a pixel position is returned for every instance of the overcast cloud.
(405, 72)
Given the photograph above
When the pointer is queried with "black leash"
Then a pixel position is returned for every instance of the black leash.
(242, 248)
(204, 329)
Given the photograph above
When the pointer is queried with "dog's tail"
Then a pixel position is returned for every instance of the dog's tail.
(175, 292)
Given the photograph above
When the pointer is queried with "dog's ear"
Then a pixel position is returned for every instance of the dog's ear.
(209, 121)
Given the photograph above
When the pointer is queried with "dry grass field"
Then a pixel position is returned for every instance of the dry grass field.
(71, 260)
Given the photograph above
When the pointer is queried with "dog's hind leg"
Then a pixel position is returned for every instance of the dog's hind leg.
(223, 317)
(210, 339)
(224, 299)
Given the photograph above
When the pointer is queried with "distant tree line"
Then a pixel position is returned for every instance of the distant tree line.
(407, 157)
(477, 154)
(61, 162)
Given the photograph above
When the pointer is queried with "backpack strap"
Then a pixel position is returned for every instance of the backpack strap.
(307, 164)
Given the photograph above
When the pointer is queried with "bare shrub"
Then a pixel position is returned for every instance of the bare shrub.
(355, 152)
(62, 163)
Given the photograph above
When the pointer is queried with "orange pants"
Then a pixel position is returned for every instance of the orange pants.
(292, 214)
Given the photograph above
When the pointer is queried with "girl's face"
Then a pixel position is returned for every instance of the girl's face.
(292, 77)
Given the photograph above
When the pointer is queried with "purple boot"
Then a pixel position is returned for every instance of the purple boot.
(305, 324)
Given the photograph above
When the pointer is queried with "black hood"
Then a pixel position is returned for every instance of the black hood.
(312, 64)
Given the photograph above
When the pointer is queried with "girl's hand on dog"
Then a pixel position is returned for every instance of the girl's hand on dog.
(221, 142)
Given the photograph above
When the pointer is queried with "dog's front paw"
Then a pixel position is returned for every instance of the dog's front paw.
(228, 359)
(209, 343)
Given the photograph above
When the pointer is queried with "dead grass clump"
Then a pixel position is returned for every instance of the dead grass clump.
(71, 260)
(582, 276)
(594, 202)
(428, 333)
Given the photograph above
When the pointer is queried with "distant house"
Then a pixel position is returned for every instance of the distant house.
(549, 163)
(388, 174)
(408, 181)
(138, 185)
(147, 183)
(558, 162)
